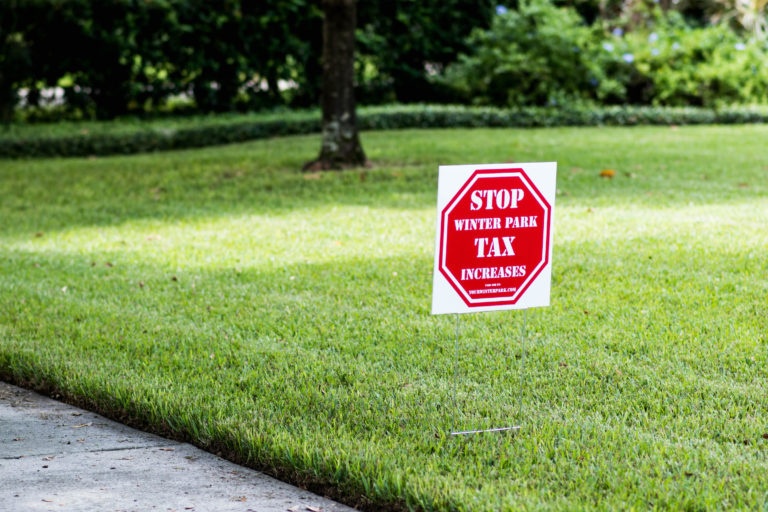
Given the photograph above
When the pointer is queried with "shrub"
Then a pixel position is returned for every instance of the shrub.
(531, 56)
(710, 67)
(544, 55)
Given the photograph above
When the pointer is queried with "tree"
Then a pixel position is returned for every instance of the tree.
(341, 144)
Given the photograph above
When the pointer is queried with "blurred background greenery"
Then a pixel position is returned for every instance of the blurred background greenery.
(79, 59)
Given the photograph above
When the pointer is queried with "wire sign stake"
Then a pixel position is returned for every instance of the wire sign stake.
(493, 244)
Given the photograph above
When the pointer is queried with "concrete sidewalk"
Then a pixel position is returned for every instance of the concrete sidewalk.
(57, 457)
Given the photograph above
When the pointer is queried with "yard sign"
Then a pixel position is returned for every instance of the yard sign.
(493, 246)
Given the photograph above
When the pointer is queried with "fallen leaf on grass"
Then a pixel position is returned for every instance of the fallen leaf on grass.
(312, 176)
(743, 185)
(38, 234)
(607, 173)
(83, 425)
(141, 284)
(765, 436)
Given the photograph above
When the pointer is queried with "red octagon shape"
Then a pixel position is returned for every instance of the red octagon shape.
(494, 237)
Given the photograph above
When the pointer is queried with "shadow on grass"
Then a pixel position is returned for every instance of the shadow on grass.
(263, 177)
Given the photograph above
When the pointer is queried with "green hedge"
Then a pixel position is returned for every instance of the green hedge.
(389, 118)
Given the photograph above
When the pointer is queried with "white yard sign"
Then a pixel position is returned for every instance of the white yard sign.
(493, 245)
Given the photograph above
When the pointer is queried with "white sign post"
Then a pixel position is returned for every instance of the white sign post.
(493, 242)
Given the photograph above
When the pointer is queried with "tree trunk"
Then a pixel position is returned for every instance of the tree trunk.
(341, 144)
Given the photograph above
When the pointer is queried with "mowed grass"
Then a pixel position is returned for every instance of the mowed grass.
(283, 318)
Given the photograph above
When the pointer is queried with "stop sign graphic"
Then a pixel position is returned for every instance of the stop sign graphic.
(494, 237)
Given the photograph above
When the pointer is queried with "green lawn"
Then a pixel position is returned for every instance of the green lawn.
(283, 318)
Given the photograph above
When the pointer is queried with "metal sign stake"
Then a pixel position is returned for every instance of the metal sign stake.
(455, 380)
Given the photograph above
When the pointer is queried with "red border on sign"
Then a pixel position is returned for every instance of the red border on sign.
(475, 303)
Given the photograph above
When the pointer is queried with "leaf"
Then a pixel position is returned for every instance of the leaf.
(607, 173)
(312, 176)
(83, 425)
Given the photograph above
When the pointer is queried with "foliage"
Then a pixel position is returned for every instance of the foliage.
(406, 43)
(530, 56)
(114, 57)
(542, 54)
(710, 66)
(282, 318)
(127, 137)
(749, 15)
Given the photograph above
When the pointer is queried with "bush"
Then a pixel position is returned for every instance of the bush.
(710, 67)
(544, 55)
(533, 56)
